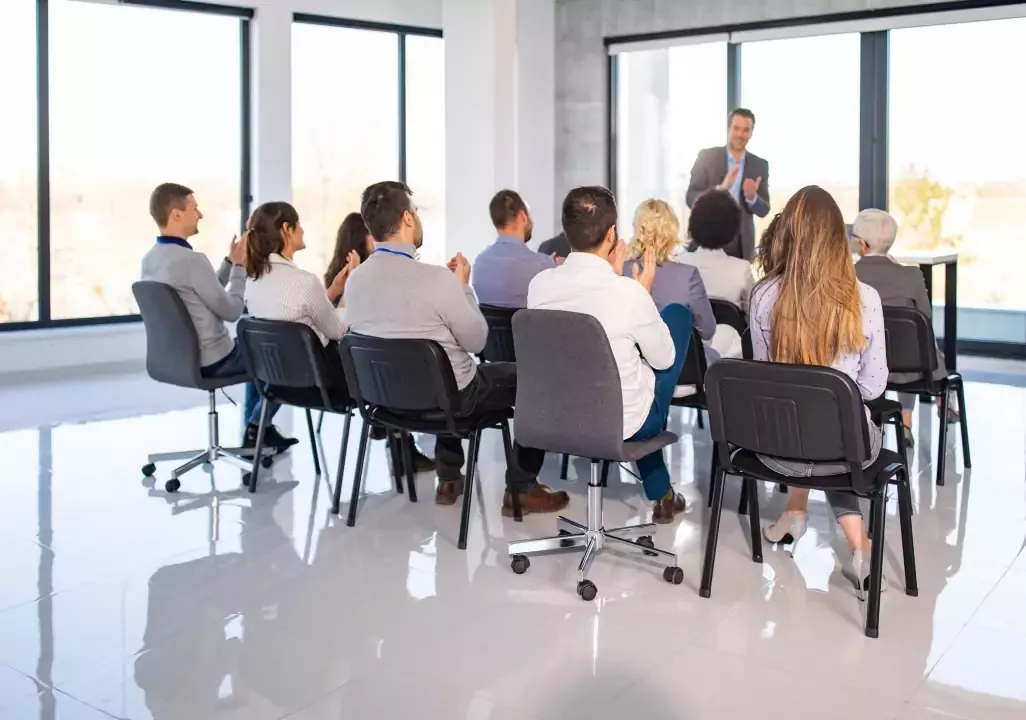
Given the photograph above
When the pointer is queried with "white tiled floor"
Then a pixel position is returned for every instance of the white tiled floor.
(118, 600)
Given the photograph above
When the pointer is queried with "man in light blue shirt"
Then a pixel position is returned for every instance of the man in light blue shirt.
(503, 271)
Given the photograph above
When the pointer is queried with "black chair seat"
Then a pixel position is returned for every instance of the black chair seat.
(634, 450)
(879, 472)
(310, 397)
(882, 408)
(922, 387)
(434, 422)
(209, 384)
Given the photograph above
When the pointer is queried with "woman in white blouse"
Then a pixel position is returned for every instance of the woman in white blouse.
(277, 288)
(811, 310)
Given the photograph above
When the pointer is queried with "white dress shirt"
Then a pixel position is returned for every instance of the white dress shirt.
(287, 292)
(586, 284)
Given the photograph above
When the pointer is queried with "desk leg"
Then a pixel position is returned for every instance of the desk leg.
(951, 315)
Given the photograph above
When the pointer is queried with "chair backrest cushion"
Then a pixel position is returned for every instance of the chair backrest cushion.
(568, 387)
(172, 345)
(797, 412)
(692, 372)
(499, 347)
(910, 341)
(727, 313)
(399, 374)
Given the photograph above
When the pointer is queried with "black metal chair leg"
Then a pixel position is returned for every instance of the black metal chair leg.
(714, 462)
(701, 422)
(714, 534)
(742, 503)
(468, 489)
(397, 461)
(361, 457)
(313, 442)
(320, 422)
(507, 446)
(406, 445)
(258, 450)
(942, 442)
(963, 423)
(564, 468)
(907, 546)
(752, 491)
(876, 565)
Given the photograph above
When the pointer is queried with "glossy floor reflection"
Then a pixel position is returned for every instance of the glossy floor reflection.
(117, 600)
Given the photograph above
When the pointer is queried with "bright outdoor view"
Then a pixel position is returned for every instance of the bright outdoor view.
(957, 173)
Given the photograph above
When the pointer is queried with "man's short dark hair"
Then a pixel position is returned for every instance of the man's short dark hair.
(741, 112)
(715, 219)
(505, 207)
(588, 213)
(382, 207)
(165, 198)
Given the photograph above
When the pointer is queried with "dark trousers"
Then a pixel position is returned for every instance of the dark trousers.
(655, 477)
(493, 388)
(233, 364)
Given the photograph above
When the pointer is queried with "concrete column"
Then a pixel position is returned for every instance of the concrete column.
(272, 105)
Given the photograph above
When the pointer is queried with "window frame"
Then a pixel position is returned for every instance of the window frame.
(45, 319)
(874, 88)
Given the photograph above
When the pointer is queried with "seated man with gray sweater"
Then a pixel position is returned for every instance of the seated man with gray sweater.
(392, 295)
(173, 261)
(873, 233)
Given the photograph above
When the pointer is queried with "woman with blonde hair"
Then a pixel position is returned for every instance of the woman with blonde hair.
(657, 228)
(810, 309)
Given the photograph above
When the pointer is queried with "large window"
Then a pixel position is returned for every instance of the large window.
(956, 170)
(425, 138)
(118, 128)
(345, 126)
(808, 137)
(671, 104)
(126, 109)
(18, 176)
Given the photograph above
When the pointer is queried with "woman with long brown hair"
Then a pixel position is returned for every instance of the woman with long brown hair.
(352, 237)
(810, 309)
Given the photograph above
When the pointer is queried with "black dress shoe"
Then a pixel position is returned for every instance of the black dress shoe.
(272, 438)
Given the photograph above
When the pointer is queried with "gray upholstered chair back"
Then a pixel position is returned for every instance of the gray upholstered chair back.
(568, 387)
(172, 346)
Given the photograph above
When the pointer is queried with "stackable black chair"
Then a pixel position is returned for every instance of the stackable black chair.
(727, 313)
(409, 386)
(571, 402)
(808, 414)
(292, 367)
(911, 348)
(499, 346)
(173, 357)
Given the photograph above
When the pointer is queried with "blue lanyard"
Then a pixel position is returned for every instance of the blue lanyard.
(392, 252)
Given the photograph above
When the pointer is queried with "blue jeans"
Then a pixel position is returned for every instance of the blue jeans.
(233, 364)
(654, 476)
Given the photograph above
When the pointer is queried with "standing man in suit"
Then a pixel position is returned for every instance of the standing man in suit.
(743, 174)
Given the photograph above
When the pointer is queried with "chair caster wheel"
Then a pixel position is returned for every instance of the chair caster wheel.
(646, 541)
(246, 477)
(520, 564)
(587, 590)
(266, 461)
(565, 543)
(148, 470)
(172, 485)
(673, 575)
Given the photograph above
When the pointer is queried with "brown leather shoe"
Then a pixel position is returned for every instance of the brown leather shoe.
(669, 507)
(539, 499)
(448, 491)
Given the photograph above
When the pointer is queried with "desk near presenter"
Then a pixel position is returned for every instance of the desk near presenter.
(927, 261)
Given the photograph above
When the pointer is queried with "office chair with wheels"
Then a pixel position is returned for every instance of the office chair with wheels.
(911, 348)
(570, 401)
(809, 414)
(292, 367)
(408, 386)
(173, 357)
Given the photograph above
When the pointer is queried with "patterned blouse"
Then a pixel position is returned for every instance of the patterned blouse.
(868, 369)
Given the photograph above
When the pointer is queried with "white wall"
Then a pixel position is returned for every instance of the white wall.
(85, 350)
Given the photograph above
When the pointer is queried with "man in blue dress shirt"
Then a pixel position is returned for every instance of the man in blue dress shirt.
(505, 268)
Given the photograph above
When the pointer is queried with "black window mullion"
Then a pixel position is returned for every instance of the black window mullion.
(246, 94)
(612, 103)
(733, 76)
(43, 159)
(402, 106)
(873, 120)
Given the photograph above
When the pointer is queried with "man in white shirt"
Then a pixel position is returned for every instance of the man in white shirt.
(649, 347)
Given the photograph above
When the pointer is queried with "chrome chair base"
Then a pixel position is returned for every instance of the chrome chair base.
(240, 457)
(592, 539)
